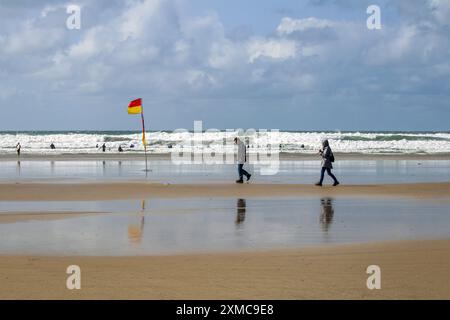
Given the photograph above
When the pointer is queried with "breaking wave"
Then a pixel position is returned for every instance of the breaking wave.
(81, 142)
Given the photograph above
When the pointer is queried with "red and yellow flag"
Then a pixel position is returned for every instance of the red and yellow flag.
(135, 107)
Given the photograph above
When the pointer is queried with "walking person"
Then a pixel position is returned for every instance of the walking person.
(18, 147)
(327, 159)
(241, 160)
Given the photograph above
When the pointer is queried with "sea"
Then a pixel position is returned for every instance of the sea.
(160, 142)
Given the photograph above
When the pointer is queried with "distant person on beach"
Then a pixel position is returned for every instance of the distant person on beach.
(120, 149)
(52, 146)
(104, 147)
(241, 160)
(18, 147)
(327, 159)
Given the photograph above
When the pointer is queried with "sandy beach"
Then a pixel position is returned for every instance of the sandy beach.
(109, 191)
(221, 150)
(410, 270)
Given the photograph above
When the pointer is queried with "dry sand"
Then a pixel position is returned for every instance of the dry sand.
(140, 190)
(409, 270)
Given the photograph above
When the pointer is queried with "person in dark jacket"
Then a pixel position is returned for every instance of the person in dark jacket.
(327, 154)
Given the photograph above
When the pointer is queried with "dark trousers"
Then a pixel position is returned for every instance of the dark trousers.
(328, 170)
(241, 171)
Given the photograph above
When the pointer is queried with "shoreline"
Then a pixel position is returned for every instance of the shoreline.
(167, 156)
(412, 269)
(89, 191)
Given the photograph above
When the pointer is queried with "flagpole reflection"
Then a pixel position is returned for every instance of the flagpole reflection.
(136, 230)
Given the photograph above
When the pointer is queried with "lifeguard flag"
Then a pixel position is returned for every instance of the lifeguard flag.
(135, 107)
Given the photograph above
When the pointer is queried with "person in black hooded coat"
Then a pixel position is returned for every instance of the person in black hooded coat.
(327, 155)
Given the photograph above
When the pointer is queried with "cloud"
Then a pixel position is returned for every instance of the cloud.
(289, 25)
(400, 45)
(29, 39)
(158, 50)
(277, 49)
(440, 11)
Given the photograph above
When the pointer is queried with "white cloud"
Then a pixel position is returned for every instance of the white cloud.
(155, 48)
(91, 44)
(223, 54)
(277, 49)
(49, 9)
(403, 43)
(440, 10)
(199, 79)
(207, 27)
(136, 18)
(30, 39)
(289, 25)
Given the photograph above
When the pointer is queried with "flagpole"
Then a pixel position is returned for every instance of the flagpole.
(144, 141)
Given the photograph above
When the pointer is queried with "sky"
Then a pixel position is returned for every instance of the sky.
(286, 64)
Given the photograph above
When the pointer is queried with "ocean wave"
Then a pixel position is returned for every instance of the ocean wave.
(116, 139)
(81, 142)
(394, 137)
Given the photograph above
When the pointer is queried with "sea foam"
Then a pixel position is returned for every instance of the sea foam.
(85, 142)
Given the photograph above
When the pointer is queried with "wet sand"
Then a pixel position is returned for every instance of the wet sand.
(139, 190)
(213, 225)
(40, 216)
(415, 269)
(167, 156)
(409, 270)
(300, 170)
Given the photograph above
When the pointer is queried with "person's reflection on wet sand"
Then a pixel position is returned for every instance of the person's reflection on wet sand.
(135, 231)
(241, 208)
(119, 165)
(18, 168)
(326, 216)
(52, 168)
